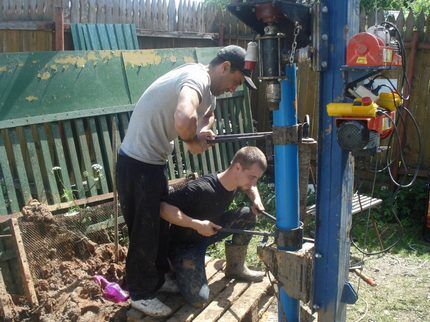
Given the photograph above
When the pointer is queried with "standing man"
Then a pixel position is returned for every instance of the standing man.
(198, 211)
(179, 103)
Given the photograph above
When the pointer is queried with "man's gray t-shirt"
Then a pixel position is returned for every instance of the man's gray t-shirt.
(152, 130)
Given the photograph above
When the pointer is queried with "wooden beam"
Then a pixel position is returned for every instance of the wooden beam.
(65, 116)
(59, 28)
(5, 218)
(80, 202)
(6, 303)
(27, 25)
(27, 280)
(176, 34)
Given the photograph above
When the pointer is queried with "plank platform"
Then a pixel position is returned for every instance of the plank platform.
(230, 300)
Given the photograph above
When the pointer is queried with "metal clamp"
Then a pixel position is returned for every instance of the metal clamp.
(292, 238)
(283, 135)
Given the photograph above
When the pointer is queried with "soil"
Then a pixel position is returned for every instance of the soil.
(65, 289)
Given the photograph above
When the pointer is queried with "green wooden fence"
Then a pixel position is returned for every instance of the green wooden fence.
(56, 116)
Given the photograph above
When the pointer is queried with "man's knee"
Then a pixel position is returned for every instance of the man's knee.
(246, 217)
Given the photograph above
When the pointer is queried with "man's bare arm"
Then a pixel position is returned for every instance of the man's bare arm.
(176, 217)
(254, 196)
(186, 121)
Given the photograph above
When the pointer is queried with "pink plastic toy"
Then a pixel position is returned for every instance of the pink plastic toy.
(111, 291)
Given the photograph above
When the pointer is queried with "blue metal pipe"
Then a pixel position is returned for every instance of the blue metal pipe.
(287, 182)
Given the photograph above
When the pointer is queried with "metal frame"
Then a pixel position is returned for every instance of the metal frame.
(332, 290)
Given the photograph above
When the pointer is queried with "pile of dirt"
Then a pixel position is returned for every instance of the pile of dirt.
(63, 263)
(36, 211)
(68, 291)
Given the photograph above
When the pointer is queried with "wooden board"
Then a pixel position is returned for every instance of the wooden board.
(23, 264)
(229, 299)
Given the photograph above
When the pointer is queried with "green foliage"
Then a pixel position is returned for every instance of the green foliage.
(69, 194)
(397, 220)
(406, 203)
(220, 4)
(416, 6)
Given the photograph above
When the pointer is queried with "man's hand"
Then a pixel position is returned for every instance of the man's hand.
(206, 228)
(257, 206)
(199, 144)
(204, 136)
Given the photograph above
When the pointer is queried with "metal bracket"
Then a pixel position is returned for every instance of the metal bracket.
(293, 270)
(287, 134)
(320, 36)
(291, 239)
(349, 295)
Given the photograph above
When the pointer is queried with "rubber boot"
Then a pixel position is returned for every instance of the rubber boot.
(235, 267)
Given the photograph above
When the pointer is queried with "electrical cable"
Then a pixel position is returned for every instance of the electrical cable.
(403, 55)
(386, 249)
(420, 155)
(390, 160)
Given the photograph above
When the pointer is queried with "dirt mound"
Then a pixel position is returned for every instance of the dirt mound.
(35, 211)
(63, 262)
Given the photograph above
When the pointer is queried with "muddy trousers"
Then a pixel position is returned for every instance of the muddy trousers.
(140, 188)
(188, 261)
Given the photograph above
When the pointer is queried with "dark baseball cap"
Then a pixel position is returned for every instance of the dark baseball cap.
(236, 56)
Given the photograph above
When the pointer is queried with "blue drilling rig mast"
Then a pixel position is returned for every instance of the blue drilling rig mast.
(315, 275)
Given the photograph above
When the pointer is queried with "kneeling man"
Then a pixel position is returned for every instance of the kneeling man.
(198, 211)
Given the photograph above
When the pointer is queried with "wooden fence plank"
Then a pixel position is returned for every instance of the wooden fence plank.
(106, 144)
(234, 122)
(121, 12)
(20, 166)
(410, 21)
(427, 33)
(179, 161)
(181, 15)
(123, 119)
(36, 169)
(47, 160)
(171, 15)
(73, 153)
(7, 176)
(211, 161)
(420, 24)
(171, 167)
(142, 15)
(227, 128)
(83, 149)
(98, 155)
(148, 13)
(109, 11)
(3, 192)
(186, 155)
(61, 159)
(135, 15)
(100, 14)
(217, 158)
(204, 163)
(220, 131)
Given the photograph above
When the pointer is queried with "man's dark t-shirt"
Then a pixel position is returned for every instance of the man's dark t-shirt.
(204, 199)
